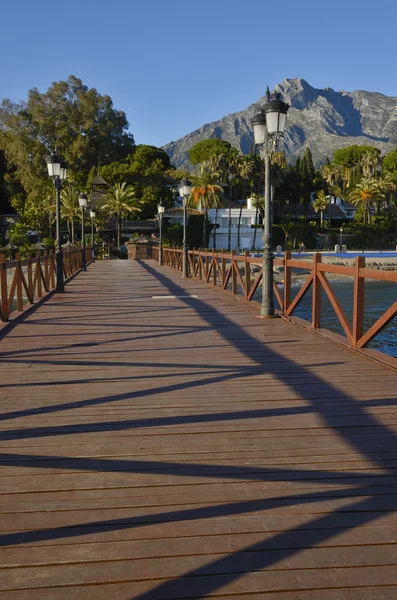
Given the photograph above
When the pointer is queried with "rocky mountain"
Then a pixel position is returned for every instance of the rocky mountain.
(322, 119)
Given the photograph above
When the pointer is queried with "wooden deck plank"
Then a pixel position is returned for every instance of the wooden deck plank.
(180, 448)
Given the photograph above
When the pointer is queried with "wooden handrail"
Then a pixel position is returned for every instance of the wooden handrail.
(221, 269)
(33, 277)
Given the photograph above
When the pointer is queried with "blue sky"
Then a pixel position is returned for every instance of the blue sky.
(173, 65)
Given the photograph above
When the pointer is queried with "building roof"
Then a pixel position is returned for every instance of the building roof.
(333, 211)
(348, 205)
(142, 239)
(177, 210)
(147, 226)
(98, 180)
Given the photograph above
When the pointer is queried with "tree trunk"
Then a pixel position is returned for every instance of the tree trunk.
(205, 229)
(72, 230)
(118, 226)
(321, 217)
(215, 224)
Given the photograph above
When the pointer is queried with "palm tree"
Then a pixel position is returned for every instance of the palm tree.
(369, 163)
(245, 171)
(332, 174)
(258, 201)
(120, 200)
(205, 194)
(364, 194)
(339, 192)
(320, 204)
(388, 185)
(227, 165)
(70, 208)
(48, 206)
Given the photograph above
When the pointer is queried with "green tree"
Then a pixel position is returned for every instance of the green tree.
(389, 163)
(331, 174)
(147, 170)
(77, 121)
(205, 194)
(364, 194)
(4, 195)
(320, 204)
(205, 149)
(369, 163)
(246, 169)
(18, 234)
(309, 166)
(353, 155)
(47, 209)
(288, 227)
(120, 200)
(145, 156)
(70, 208)
(227, 166)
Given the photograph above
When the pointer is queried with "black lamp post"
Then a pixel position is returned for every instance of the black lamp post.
(268, 125)
(83, 204)
(92, 215)
(160, 211)
(185, 188)
(57, 170)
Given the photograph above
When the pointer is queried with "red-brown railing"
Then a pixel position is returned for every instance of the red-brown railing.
(234, 271)
(33, 277)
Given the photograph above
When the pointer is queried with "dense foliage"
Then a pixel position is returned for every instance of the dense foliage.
(93, 137)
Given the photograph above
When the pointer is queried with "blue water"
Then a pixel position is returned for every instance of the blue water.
(386, 254)
(379, 296)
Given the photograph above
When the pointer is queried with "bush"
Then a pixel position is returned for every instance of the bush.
(18, 234)
(173, 234)
(48, 242)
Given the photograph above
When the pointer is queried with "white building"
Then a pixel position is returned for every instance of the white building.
(248, 217)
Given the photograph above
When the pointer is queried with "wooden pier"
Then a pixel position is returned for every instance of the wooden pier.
(158, 441)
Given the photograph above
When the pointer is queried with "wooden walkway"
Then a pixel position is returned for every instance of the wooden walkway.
(159, 441)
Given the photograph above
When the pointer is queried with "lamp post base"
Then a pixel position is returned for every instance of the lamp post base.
(275, 316)
(60, 285)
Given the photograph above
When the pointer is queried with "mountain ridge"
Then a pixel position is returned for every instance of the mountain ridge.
(319, 118)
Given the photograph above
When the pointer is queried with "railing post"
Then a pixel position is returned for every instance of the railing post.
(193, 262)
(358, 300)
(3, 288)
(18, 275)
(316, 299)
(234, 278)
(46, 277)
(223, 268)
(200, 259)
(247, 270)
(30, 278)
(213, 268)
(38, 270)
(287, 282)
